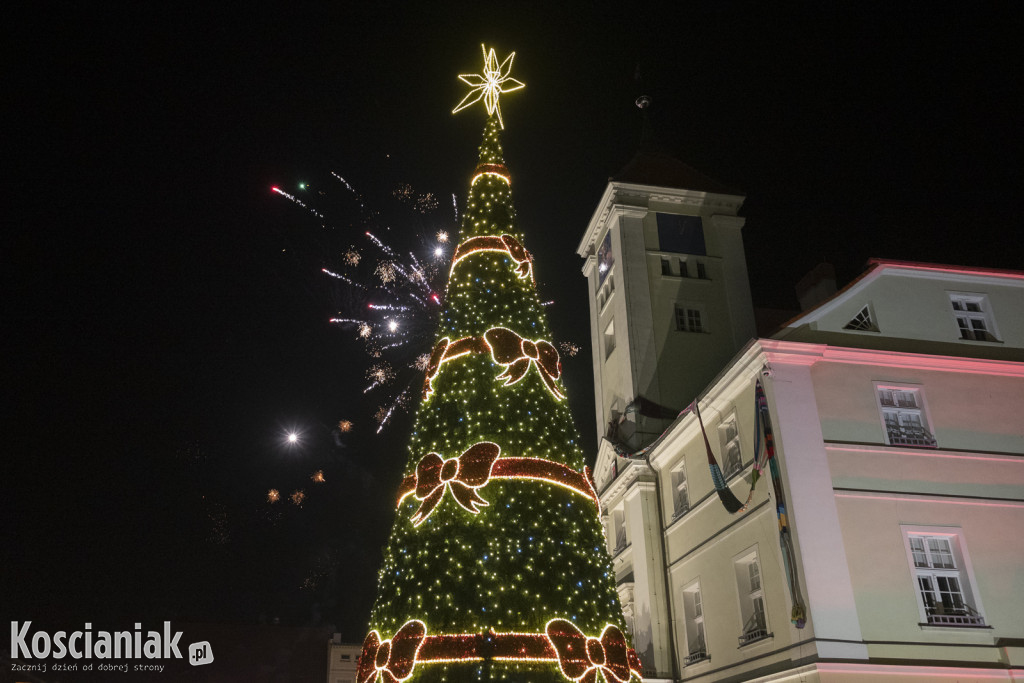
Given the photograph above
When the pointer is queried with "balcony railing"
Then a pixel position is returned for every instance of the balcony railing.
(911, 436)
(754, 629)
(953, 616)
(696, 656)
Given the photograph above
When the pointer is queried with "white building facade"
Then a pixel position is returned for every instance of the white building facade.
(895, 411)
(342, 659)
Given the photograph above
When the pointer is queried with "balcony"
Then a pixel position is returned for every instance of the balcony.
(754, 630)
(954, 616)
(910, 436)
(700, 655)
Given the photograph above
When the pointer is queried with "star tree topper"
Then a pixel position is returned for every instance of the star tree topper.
(494, 81)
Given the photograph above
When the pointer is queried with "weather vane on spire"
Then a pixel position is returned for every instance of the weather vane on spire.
(494, 82)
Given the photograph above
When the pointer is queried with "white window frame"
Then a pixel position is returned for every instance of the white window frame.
(732, 454)
(974, 324)
(618, 537)
(608, 339)
(685, 323)
(680, 492)
(751, 597)
(904, 417)
(695, 643)
(605, 291)
(962, 570)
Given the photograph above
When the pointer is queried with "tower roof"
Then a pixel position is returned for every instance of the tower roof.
(658, 168)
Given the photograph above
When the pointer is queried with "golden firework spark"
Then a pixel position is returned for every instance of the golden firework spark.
(318, 477)
(442, 236)
(345, 426)
(425, 203)
(569, 349)
(351, 257)
(273, 495)
(380, 373)
(386, 271)
(422, 361)
(365, 330)
(298, 497)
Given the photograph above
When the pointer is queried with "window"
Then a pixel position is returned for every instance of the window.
(666, 267)
(680, 234)
(904, 417)
(972, 319)
(941, 577)
(618, 529)
(604, 294)
(751, 592)
(862, 322)
(680, 499)
(702, 273)
(729, 437)
(683, 272)
(609, 339)
(690, 319)
(605, 258)
(693, 611)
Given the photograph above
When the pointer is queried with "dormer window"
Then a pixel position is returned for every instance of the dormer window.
(973, 318)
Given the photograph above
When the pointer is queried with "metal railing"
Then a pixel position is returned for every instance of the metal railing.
(754, 629)
(910, 436)
(954, 616)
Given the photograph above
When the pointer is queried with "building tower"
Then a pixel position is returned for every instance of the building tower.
(669, 307)
(669, 294)
(496, 568)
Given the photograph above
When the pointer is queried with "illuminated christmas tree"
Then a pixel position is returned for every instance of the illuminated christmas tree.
(496, 568)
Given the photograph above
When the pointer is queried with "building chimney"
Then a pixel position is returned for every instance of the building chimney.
(817, 286)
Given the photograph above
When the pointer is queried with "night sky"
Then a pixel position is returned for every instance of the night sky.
(165, 321)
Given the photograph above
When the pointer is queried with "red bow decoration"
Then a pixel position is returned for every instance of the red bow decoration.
(581, 657)
(518, 354)
(524, 266)
(392, 659)
(433, 365)
(506, 243)
(462, 476)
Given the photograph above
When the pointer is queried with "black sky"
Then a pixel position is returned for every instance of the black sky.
(160, 330)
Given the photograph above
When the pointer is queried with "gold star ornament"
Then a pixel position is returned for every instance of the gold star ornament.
(490, 85)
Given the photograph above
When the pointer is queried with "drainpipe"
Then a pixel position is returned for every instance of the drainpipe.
(664, 565)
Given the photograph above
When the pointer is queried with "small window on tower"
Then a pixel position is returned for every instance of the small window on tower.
(609, 339)
(683, 272)
(702, 272)
(666, 267)
(690, 319)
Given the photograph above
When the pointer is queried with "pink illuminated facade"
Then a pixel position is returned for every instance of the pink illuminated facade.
(895, 410)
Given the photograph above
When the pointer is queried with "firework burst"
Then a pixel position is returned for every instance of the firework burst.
(388, 291)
